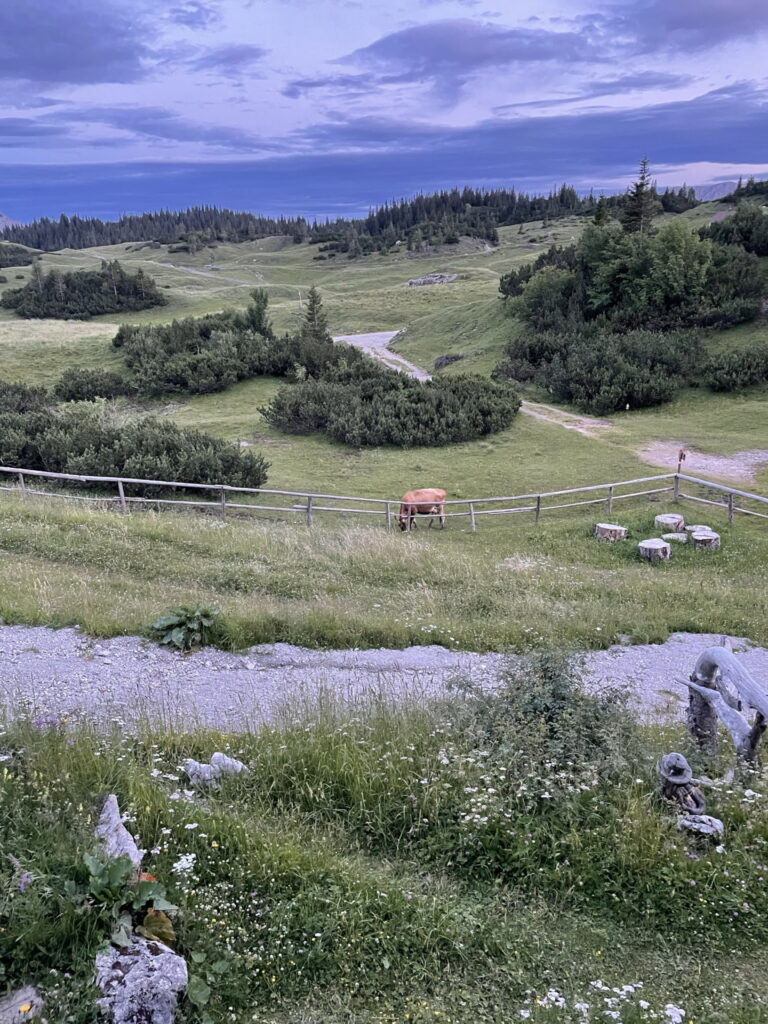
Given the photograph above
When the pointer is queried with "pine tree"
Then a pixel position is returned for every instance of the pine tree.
(602, 213)
(314, 326)
(641, 202)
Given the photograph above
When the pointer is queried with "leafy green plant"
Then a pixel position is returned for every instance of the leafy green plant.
(123, 896)
(186, 627)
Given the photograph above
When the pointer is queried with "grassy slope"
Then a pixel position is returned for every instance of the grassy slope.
(339, 584)
(372, 294)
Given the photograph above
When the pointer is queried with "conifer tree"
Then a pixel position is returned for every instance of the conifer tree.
(641, 202)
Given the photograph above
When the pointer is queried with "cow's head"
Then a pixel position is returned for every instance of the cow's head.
(403, 522)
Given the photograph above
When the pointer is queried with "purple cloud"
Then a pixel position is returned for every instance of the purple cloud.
(71, 41)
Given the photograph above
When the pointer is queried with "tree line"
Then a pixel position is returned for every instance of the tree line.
(422, 221)
(14, 256)
(81, 294)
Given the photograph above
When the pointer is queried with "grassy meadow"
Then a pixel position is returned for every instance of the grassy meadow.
(512, 585)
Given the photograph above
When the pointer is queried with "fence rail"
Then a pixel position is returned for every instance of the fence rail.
(387, 507)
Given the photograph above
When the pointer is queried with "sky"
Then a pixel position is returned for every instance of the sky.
(326, 107)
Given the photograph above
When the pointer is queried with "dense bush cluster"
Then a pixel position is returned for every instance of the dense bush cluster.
(14, 255)
(608, 321)
(601, 370)
(86, 385)
(81, 294)
(733, 371)
(210, 353)
(373, 406)
(35, 433)
(748, 227)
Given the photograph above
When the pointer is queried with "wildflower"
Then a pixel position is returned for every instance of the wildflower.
(191, 825)
(720, 849)
(24, 881)
(674, 1013)
(184, 864)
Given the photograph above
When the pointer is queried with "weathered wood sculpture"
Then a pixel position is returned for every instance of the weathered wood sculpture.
(679, 786)
(719, 687)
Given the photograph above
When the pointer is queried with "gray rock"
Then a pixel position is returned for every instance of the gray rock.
(434, 278)
(11, 1005)
(202, 774)
(140, 983)
(117, 841)
(701, 824)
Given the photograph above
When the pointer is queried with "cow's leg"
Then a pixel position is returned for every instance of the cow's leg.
(442, 517)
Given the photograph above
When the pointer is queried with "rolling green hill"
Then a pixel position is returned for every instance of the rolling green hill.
(464, 317)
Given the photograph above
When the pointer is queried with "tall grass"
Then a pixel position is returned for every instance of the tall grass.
(389, 863)
(512, 585)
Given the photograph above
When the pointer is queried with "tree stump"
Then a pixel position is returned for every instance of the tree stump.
(706, 541)
(654, 550)
(698, 529)
(677, 538)
(610, 532)
(672, 521)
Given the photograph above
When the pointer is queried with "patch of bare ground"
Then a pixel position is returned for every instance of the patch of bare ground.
(740, 466)
(587, 425)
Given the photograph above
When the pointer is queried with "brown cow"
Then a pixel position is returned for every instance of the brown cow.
(429, 501)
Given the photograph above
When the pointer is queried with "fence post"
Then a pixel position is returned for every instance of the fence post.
(676, 489)
(121, 492)
(388, 507)
(472, 522)
(730, 508)
(309, 510)
(610, 499)
(22, 485)
(538, 508)
(223, 500)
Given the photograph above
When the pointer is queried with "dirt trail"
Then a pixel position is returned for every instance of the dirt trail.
(586, 425)
(739, 467)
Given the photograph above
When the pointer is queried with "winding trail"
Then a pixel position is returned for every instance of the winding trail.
(376, 345)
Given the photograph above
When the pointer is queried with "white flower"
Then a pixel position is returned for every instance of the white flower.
(184, 864)
(674, 1013)
(720, 849)
(191, 825)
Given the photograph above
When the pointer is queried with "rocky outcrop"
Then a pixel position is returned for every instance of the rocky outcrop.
(140, 982)
(433, 278)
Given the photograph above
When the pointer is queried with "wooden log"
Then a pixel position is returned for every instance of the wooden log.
(610, 532)
(698, 528)
(676, 538)
(706, 541)
(654, 549)
(670, 521)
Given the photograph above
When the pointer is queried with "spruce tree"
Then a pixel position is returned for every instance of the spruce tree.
(641, 203)
(602, 213)
(314, 326)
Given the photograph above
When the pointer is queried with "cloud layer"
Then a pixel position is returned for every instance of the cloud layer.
(435, 92)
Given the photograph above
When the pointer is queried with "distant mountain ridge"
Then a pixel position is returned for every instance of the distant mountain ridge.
(5, 222)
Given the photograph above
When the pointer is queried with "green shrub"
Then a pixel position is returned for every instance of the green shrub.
(35, 433)
(186, 628)
(86, 385)
(373, 406)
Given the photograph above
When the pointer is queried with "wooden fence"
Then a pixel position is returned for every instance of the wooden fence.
(308, 504)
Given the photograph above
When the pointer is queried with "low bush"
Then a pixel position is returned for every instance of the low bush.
(373, 406)
(733, 371)
(602, 371)
(84, 438)
(86, 385)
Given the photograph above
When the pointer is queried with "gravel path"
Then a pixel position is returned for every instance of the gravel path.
(377, 346)
(740, 466)
(128, 679)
